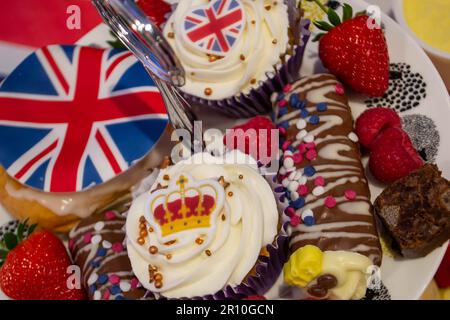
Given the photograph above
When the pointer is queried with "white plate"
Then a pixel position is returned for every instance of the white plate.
(405, 279)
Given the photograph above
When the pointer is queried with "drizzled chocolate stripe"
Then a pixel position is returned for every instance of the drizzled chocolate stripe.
(349, 225)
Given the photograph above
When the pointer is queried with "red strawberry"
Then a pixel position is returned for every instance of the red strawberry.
(393, 156)
(442, 276)
(372, 122)
(155, 9)
(36, 268)
(354, 52)
(245, 142)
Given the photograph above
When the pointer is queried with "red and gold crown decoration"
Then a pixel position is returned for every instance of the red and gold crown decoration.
(186, 204)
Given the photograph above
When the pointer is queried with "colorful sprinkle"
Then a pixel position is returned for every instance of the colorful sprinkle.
(293, 185)
(87, 237)
(350, 194)
(101, 252)
(97, 295)
(294, 195)
(322, 106)
(280, 97)
(286, 144)
(353, 137)
(289, 211)
(308, 138)
(106, 244)
(300, 105)
(295, 221)
(302, 190)
(125, 286)
(282, 103)
(92, 278)
(309, 171)
(95, 264)
(279, 189)
(114, 279)
(285, 182)
(304, 113)
(314, 119)
(117, 247)
(298, 158)
(308, 217)
(110, 215)
(294, 99)
(134, 283)
(115, 290)
(309, 221)
(330, 202)
(319, 181)
(102, 279)
(119, 297)
(302, 147)
(319, 190)
(282, 111)
(301, 134)
(287, 88)
(282, 130)
(99, 226)
(339, 89)
(311, 154)
(96, 239)
(301, 124)
(92, 288)
(106, 295)
(283, 124)
(71, 244)
(288, 162)
(299, 203)
(310, 145)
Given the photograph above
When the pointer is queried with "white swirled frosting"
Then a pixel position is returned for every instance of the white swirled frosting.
(263, 39)
(245, 221)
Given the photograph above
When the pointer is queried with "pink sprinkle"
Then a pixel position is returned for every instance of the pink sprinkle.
(286, 145)
(134, 283)
(295, 221)
(87, 237)
(350, 194)
(282, 130)
(106, 295)
(297, 157)
(319, 181)
(330, 202)
(302, 190)
(114, 279)
(302, 147)
(282, 103)
(117, 247)
(311, 154)
(310, 145)
(110, 215)
(287, 88)
(71, 244)
(290, 212)
(339, 89)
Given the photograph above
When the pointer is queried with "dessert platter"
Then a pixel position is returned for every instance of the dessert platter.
(358, 206)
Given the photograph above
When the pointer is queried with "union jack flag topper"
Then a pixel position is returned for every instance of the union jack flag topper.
(72, 116)
(214, 28)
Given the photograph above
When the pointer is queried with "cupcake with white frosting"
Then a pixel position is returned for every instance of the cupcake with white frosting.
(208, 228)
(236, 52)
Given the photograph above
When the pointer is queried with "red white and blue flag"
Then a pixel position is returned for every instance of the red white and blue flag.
(215, 28)
(73, 116)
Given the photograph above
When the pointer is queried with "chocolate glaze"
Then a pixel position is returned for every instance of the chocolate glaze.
(351, 222)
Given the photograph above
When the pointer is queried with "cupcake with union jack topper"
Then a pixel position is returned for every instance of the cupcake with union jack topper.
(86, 123)
(236, 53)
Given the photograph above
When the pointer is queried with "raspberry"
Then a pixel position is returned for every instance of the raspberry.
(393, 156)
(155, 10)
(372, 122)
(247, 144)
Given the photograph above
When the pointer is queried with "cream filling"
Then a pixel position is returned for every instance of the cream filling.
(263, 40)
(235, 242)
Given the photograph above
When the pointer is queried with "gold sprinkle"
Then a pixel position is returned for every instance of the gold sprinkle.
(141, 241)
(230, 193)
(153, 249)
(142, 226)
(166, 177)
(158, 284)
(142, 219)
(253, 81)
(199, 241)
(274, 41)
(152, 268)
(168, 256)
(208, 91)
(208, 253)
(223, 183)
(242, 57)
(150, 229)
(171, 242)
(192, 73)
(158, 277)
(275, 3)
(171, 35)
(223, 217)
(143, 233)
(212, 58)
(241, 176)
(165, 163)
(267, 7)
(253, 21)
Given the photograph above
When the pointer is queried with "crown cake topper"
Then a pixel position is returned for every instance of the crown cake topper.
(186, 204)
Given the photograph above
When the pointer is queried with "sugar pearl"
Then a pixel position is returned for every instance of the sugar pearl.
(319, 181)
(288, 162)
(350, 194)
(295, 221)
(298, 175)
(294, 195)
(301, 134)
(307, 213)
(330, 202)
(301, 124)
(125, 286)
(293, 185)
(99, 226)
(282, 171)
(302, 190)
(285, 182)
(302, 180)
(97, 295)
(317, 191)
(308, 138)
(96, 239)
(92, 278)
(106, 244)
(353, 137)
(292, 175)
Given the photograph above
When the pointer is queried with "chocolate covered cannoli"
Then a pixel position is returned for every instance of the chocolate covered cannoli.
(325, 195)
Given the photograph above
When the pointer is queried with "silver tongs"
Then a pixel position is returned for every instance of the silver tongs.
(140, 35)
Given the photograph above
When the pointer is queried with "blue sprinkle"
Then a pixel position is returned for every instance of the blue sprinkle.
(95, 264)
(304, 114)
(92, 288)
(282, 198)
(322, 106)
(101, 252)
(120, 297)
(294, 100)
(115, 290)
(282, 111)
(284, 124)
(102, 279)
(273, 116)
(287, 193)
(292, 148)
(279, 189)
(314, 119)
(309, 171)
(280, 97)
(301, 105)
(299, 203)
(309, 221)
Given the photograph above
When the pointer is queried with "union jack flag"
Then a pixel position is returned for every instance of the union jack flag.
(216, 27)
(72, 116)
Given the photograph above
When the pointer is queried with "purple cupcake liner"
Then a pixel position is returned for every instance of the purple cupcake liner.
(258, 101)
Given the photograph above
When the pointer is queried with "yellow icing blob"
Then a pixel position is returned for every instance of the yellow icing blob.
(430, 21)
(303, 266)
